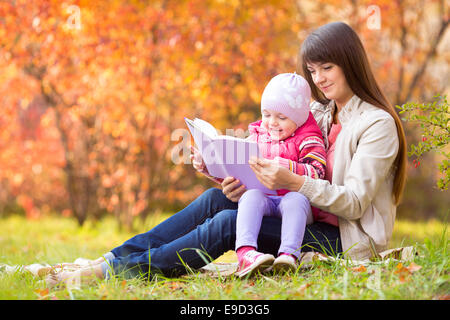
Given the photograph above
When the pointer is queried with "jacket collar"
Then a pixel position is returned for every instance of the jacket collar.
(349, 110)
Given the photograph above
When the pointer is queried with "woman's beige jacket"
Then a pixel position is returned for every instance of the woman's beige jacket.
(361, 190)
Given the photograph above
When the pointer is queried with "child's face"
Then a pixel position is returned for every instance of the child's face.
(278, 125)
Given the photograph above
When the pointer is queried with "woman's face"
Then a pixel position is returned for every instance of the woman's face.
(330, 79)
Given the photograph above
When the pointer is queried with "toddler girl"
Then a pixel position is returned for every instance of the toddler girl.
(288, 134)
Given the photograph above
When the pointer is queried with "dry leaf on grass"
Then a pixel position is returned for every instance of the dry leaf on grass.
(303, 287)
(404, 273)
(413, 267)
(360, 268)
(42, 293)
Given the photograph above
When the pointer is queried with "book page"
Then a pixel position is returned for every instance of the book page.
(232, 155)
(226, 156)
(205, 127)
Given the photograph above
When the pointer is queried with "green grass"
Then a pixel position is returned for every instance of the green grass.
(52, 240)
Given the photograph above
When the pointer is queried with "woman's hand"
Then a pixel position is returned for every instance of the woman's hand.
(233, 189)
(274, 176)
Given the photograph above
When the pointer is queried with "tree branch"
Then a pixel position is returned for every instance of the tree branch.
(430, 55)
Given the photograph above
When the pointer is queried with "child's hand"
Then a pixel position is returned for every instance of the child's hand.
(197, 161)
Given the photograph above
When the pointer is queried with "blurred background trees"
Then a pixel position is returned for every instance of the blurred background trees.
(91, 92)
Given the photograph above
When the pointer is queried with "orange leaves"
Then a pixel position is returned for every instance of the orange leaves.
(110, 94)
(175, 285)
(42, 293)
(121, 83)
(360, 268)
(405, 272)
(402, 272)
(400, 268)
(107, 181)
(399, 271)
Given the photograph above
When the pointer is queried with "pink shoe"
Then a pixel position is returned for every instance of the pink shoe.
(254, 261)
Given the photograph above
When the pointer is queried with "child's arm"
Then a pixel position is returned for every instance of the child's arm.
(199, 165)
(312, 159)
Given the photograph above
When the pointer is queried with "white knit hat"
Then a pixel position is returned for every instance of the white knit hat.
(289, 94)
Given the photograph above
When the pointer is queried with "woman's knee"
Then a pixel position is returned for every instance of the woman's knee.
(223, 225)
(226, 217)
(216, 200)
(212, 193)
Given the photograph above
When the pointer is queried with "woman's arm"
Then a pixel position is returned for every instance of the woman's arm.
(274, 176)
(312, 159)
(370, 165)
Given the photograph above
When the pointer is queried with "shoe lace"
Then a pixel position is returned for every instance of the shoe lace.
(252, 255)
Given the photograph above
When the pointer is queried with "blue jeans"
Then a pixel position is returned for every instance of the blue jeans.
(208, 224)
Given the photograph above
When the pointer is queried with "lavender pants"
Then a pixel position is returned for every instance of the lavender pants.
(293, 209)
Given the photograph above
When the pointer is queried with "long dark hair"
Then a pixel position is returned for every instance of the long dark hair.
(338, 43)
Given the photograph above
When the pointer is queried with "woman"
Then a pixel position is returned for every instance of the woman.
(368, 161)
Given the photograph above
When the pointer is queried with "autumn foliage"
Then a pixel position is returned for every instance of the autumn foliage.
(92, 91)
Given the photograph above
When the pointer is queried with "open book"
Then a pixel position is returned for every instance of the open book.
(226, 156)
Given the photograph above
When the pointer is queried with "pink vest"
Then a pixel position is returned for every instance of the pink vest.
(288, 148)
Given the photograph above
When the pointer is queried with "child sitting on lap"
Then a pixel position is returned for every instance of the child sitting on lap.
(288, 134)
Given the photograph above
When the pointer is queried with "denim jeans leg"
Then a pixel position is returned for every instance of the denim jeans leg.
(322, 237)
(205, 206)
(194, 249)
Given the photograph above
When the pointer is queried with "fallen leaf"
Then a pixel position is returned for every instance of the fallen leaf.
(42, 293)
(303, 287)
(413, 267)
(400, 268)
(361, 268)
(175, 285)
(403, 272)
